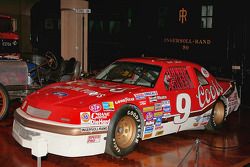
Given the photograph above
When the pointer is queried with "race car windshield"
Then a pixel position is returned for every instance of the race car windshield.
(131, 73)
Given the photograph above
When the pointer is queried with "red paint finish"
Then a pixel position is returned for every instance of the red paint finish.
(169, 96)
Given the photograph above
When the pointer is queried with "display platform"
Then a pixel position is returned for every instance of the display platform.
(229, 146)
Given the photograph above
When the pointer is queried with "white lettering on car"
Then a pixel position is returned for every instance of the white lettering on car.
(95, 116)
(206, 95)
(111, 88)
(181, 99)
(124, 100)
(117, 90)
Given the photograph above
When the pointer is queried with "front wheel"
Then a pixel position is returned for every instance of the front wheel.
(217, 117)
(124, 132)
(4, 102)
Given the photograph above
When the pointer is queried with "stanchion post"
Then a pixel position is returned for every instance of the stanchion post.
(39, 148)
(196, 146)
(39, 162)
(197, 143)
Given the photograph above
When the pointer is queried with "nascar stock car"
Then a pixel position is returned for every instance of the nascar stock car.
(132, 99)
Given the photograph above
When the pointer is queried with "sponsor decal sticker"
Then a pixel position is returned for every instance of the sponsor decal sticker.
(161, 97)
(99, 115)
(166, 105)
(233, 101)
(139, 96)
(159, 133)
(166, 115)
(108, 106)
(148, 129)
(152, 99)
(117, 90)
(147, 109)
(100, 122)
(158, 106)
(93, 93)
(147, 136)
(142, 103)
(207, 94)
(152, 93)
(124, 100)
(95, 107)
(112, 88)
(158, 121)
(158, 127)
(94, 139)
(94, 129)
(202, 120)
(152, 122)
(60, 94)
(167, 109)
(149, 116)
(158, 114)
(79, 89)
(204, 72)
(85, 117)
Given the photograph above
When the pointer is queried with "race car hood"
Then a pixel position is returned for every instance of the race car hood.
(67, 100)
(76, 93)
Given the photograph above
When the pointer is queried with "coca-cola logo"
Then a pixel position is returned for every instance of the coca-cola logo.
(206, 95)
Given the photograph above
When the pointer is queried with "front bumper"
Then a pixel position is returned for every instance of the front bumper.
(65, 144)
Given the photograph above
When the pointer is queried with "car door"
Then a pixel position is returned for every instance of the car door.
(180, 103)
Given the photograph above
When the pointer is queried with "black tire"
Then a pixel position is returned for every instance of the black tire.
(217, 116)
(4, 102)
(124, 132)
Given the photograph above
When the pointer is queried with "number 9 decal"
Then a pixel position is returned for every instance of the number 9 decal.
(183, 106)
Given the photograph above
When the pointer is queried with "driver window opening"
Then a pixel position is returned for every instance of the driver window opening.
(131, 73)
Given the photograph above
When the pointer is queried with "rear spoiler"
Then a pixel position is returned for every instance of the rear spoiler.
(232, 85)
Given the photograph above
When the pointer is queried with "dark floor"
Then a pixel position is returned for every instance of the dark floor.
(229, 146)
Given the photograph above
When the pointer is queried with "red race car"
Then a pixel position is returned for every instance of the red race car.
(132, 99)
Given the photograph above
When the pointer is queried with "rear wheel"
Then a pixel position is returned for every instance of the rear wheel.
(124, 132)
(217, 117)
(4, 102)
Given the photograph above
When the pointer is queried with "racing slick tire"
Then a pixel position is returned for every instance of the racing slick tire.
(218, 116)
(124, 132)
(4, 102)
